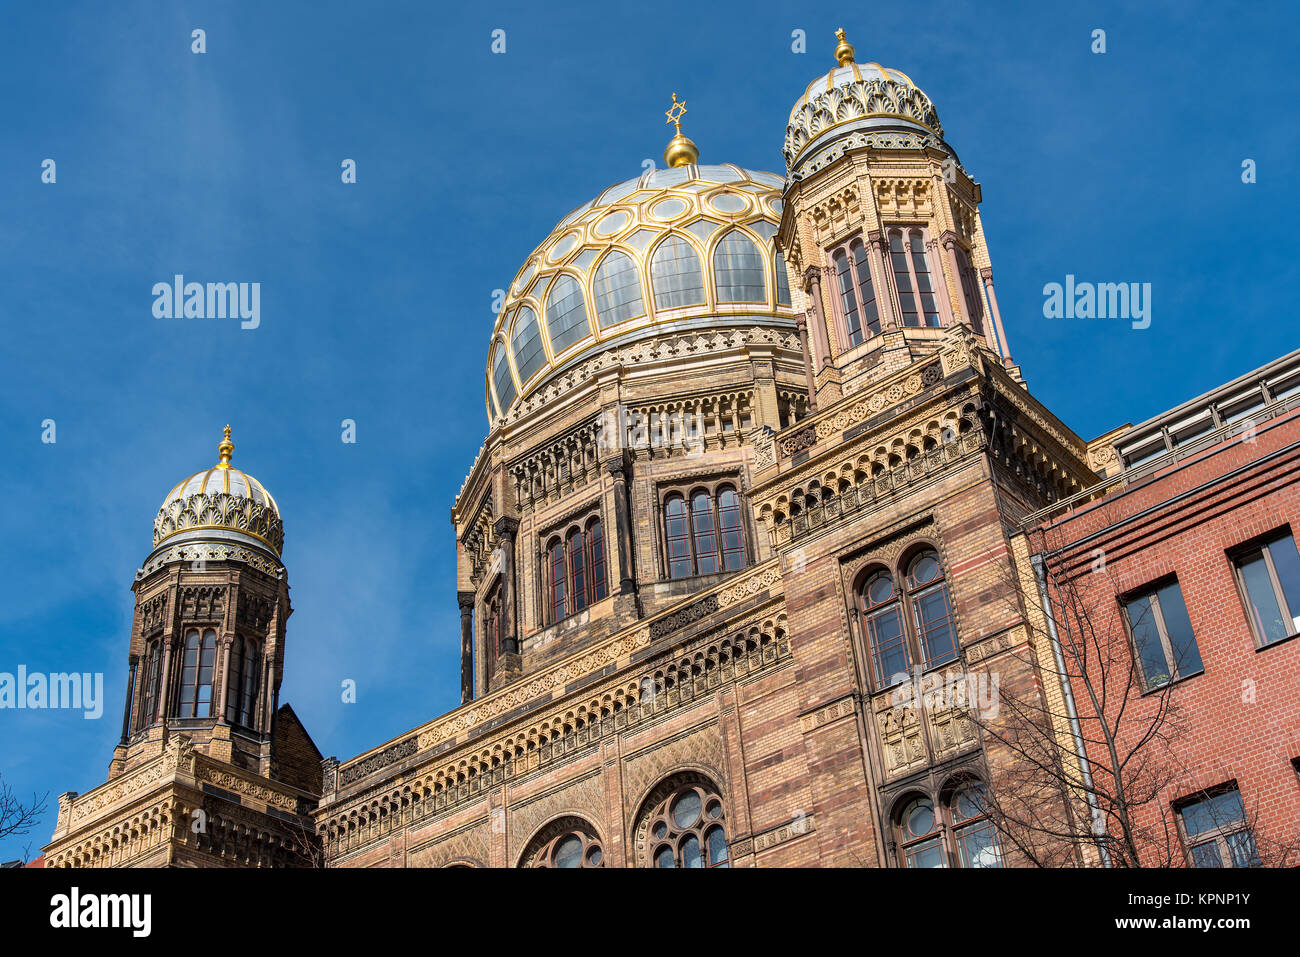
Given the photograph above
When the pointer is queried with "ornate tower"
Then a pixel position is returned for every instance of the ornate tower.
(207, 752)
(881, 226)
(207, 646)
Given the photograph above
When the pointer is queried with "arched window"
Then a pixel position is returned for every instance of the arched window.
(566, 842)
(558, 578)
(526, 342)
(618, 290)
(884, 627)
(738, 270)
(921, 835)
(857, 292)
(197, 663)
(782, 282)
(575, 569)
(241, 693)
(501, 378)
(566, 313)
(576, 553)
(973, 832)
(956, 831)
(923, 633)
(928, 593)
(677, 537)
(676, 275)
(571, 850)
(733, 545)
(688, 829)
(907, 255)
(703, 534)
(152, 675)
(596, 560)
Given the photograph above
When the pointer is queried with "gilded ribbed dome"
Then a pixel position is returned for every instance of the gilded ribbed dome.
(689, 247)
(223, 503)
(874, 104)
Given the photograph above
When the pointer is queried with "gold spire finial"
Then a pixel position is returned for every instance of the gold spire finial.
(844, 50)
(681, 151)
(225, 450)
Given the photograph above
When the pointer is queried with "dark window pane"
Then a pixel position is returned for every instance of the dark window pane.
(691, 852)
(1286, 562)
(568, 853)
(706, 543)
(1187, 657)
(1207, 855)
(716, 842)
(1241, 848)
(1264, 609)
(596, 569)
(733, 546)
(677, 539)
(686, 809)
(578, 576)
(927, 854)
(664, 857)
(977, 846)
(1219, 811)
(934, 625)
(888, 647)
(1146, 636)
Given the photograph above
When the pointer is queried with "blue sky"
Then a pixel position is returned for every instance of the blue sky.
(376, 297)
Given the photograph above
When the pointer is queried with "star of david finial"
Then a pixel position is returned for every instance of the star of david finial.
(675, 112)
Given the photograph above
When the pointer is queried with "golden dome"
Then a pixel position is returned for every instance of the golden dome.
(683, 248)
(220, 502)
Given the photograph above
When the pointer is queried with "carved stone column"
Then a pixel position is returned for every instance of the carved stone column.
(885, 288)
(818, 319)
(466, 601)
(801, 323)
(987, 275)
(950, 247)
(617, 468)
(130, 697)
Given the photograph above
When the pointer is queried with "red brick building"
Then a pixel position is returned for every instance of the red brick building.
(1176, 596)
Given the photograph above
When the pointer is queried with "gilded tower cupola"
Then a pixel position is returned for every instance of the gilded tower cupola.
(221, 507)
(857, 104)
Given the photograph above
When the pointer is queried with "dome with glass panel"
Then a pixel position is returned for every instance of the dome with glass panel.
(677, 249)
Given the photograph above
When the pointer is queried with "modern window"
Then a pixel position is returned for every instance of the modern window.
(617, 288)
(911, 266)
(738, 270)
(574, 569)
(1215, 831)
(956, 832)
(197, 663)
(1162, 635)
(566, 313)
(702, 531)
(1269, 576)
(688, 829)
(676, 275)
(857, 292)
(241, 693)
(911, 624)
